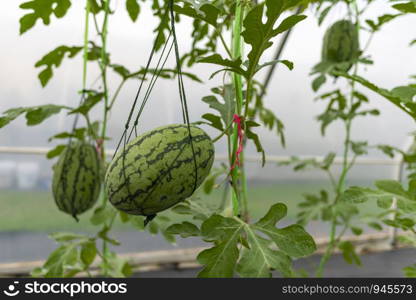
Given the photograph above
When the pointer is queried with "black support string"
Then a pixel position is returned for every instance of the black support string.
(146, 70)
(170, 43)
(181, 86)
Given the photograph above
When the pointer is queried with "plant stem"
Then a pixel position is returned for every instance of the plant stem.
(328, 251)
(113, 99)
(103, 64)
(227, 49)
(238, 178)
(236, 52)
(84, 70)
(346, 167)
(103, 67)
(85, 62)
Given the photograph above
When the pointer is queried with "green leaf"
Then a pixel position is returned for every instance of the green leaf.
(258, 255)
(259, 35)
(11, 114)
(406, 93)
(102, 214)
(37, 115)
(221, 259)
(408, 240)
(402, 223)
(408, 7)
(292, 240)
(184, 229)
(271, 121)
(54, 59)
(359, 148)
(395, 98)
(214, 121)
(225, 108)
(260, 259)
(387, 191)
(375, 226)
(276, 213)
(137, 222)
(163, 73)
(328, 160)
(121, 70)
(357, 194)
(217, 59)
(133, 9)
(42, 9)
(197, 209)
(287, 63)
(55, 151)
(376, 26)
(318, 82)
(91, 100)
(209, 183)
(323, 14)
(206, 12)
(387, 150)
(103, 234)
(79, 133)
(116, 266)
(62, 262)
(95, 7)
(34, 115)
(410, 271)
(88, 253)
(356, 230)
(349, 254)
(255, 138)
(66, 236)
(234, 65)
(314, 207)
(393, 187)
(360, 96)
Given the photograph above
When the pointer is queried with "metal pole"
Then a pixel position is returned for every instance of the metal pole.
(279, 52)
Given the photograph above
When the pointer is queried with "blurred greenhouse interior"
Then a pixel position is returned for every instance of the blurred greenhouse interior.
(27, 209)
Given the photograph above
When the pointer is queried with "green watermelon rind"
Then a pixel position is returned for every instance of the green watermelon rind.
(341, 43)
(76, 181)
(158, 169)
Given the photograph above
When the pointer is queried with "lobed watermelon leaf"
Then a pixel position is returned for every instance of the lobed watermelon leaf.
(43, 10)
(53, 59)
(259, 35)
(34, 115)
(251, 250)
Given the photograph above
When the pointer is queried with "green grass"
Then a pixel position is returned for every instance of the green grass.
(36, 210)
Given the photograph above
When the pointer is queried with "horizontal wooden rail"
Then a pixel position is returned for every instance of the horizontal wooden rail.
(186, 258)
(249, 158)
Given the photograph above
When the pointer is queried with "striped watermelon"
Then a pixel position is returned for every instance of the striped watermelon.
(158, 169)
(341, 43)
(76, 178)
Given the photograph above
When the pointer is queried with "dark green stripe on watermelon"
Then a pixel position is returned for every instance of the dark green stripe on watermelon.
(76, 178)
(157, 169)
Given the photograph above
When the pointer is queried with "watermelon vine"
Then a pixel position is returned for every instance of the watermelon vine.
(169, 167)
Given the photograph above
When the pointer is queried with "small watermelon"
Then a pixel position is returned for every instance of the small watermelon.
(341, 43)
(159, 169)
(76, 179)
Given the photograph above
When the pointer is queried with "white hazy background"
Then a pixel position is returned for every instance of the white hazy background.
(289, 95)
